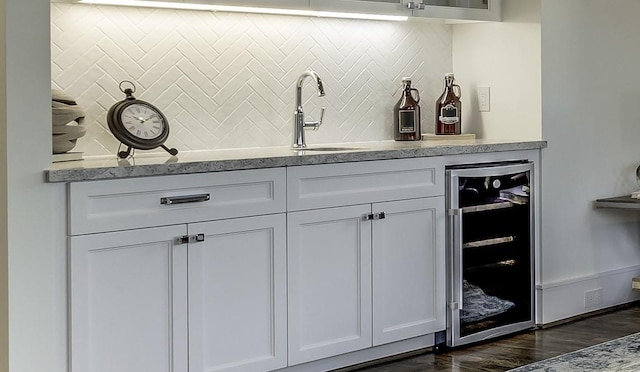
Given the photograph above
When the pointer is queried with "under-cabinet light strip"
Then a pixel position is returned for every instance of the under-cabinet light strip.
(244, 9)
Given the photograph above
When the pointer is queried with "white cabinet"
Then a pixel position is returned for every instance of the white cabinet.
(348, 272)
(366, 274)
(189, 296)
(474, 10)
(329, 282)
(408, 269)
(335, 185)
(254, 270)
(128, 301)
(470, 10)
(237, 295)
(132, 203)
(129, 298)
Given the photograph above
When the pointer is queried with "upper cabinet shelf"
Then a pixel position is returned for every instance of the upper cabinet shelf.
(457, 10)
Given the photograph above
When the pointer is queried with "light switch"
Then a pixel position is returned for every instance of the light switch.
(484, 99)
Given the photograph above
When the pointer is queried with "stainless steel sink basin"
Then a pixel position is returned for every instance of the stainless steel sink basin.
(331, 149)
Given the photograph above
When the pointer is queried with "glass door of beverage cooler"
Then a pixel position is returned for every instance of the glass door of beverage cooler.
(490, 251)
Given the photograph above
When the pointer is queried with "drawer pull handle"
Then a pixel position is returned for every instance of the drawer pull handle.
(170, 200)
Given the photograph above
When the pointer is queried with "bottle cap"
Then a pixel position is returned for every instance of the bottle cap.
(406, 79)
(449, 74)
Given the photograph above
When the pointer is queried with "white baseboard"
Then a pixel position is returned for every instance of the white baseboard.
(566, 298)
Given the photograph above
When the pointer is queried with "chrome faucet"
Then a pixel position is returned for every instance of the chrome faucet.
(299, 124)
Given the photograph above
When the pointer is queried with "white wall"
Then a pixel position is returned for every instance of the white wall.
(591, 118)
(33, 243)
(505, 57)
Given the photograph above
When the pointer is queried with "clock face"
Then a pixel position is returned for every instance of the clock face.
(143, 121)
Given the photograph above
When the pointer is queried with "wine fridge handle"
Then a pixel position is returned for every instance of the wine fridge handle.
(456, 216)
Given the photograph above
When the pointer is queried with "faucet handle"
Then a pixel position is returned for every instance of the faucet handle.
(321, 118)
(315, 125)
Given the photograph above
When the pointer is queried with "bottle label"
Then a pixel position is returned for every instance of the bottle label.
(449, 114)
(407, 121)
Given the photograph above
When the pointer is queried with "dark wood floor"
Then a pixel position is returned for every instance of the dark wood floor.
(523, 348)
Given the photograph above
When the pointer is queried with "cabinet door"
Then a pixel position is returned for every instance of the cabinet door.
(329, 260)
(237, 295)
(128, 301)
(472, 10)
(384, 7)
(408, 269)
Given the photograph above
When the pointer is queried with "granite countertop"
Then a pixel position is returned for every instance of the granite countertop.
(158, 164)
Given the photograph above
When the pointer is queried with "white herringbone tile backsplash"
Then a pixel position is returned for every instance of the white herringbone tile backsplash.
(226, 80)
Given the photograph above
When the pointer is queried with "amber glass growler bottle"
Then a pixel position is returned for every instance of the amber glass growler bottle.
(449, 108)
(406, 114)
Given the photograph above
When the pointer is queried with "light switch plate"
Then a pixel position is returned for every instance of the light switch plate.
(484, 99)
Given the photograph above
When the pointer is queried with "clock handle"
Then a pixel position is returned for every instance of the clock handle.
(171, 151)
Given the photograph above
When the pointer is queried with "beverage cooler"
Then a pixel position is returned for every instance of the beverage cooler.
(490, 251)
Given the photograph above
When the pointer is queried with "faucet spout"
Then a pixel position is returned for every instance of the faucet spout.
(298, 117)
(316, 79)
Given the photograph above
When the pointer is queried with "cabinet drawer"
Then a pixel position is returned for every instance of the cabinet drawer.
(331, 185)
(155, 201)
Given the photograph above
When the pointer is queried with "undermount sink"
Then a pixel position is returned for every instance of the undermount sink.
(332, 148)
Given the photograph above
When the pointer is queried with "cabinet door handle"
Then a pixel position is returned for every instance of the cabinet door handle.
(170, 200)
(374, 216)
(188, 239)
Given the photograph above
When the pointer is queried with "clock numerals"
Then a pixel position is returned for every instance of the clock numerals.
(142, 121)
